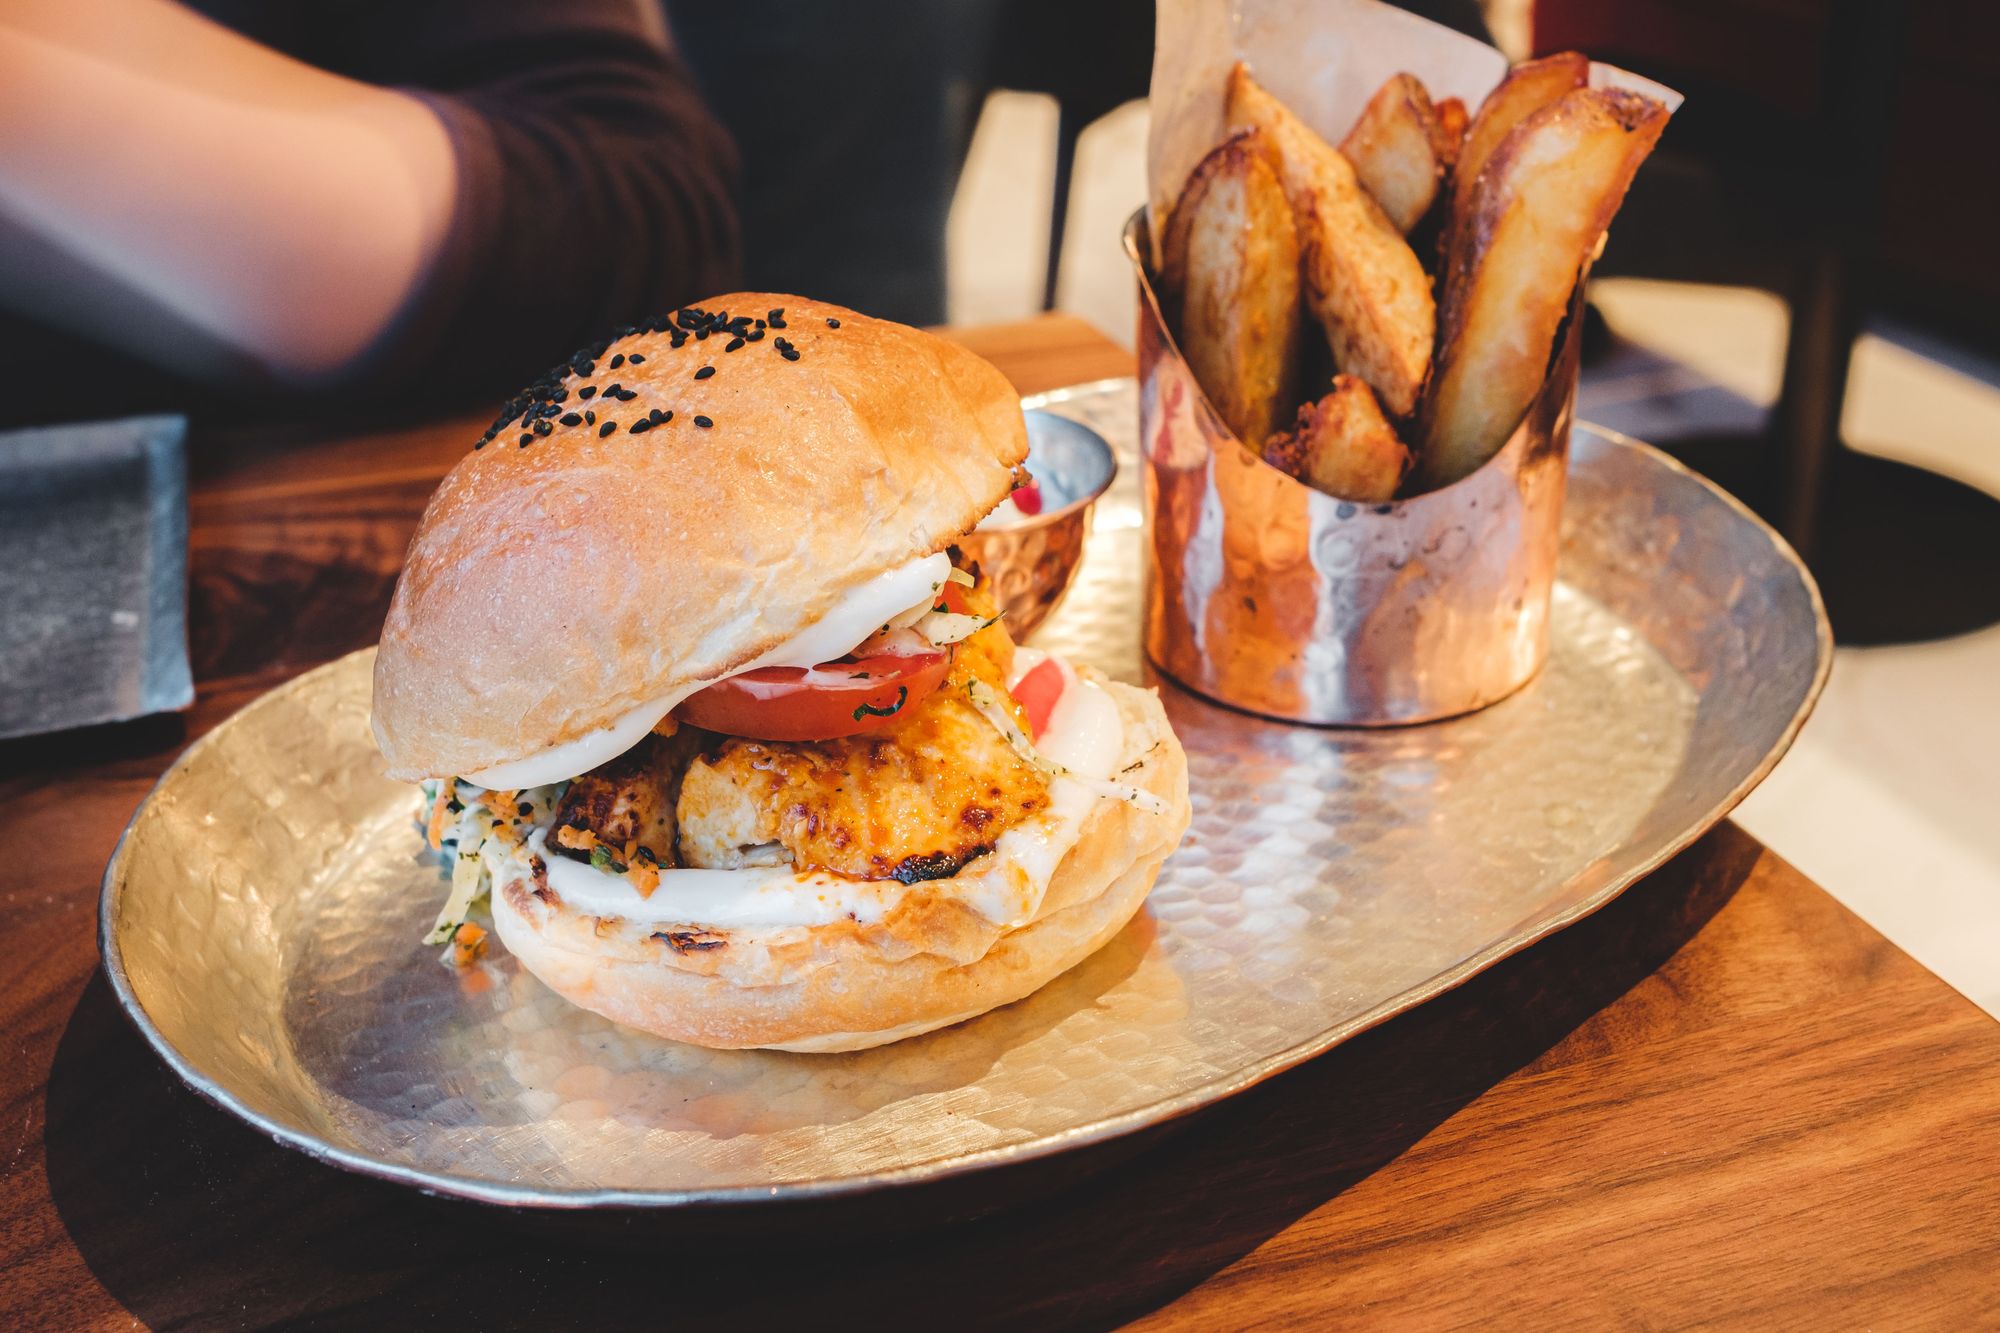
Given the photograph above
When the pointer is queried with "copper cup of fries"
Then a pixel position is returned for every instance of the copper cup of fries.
(1357, 369)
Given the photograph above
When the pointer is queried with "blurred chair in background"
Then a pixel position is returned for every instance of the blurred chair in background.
(1092, 59)
(1819, 157)
(854, 120)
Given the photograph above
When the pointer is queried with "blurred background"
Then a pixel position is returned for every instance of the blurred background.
(1799, 298)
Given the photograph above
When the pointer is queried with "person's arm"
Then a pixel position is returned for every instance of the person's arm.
(283, 214)
(595, 186)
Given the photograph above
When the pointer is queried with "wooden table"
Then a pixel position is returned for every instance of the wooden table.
(1724, 1098)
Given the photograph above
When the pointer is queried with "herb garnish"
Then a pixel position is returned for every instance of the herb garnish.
(902, 697)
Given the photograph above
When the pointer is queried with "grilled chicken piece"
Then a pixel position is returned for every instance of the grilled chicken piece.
(625, 804)
(725, 826)
(915, 799)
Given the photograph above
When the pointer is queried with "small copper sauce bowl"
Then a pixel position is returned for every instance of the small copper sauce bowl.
(1032, 559)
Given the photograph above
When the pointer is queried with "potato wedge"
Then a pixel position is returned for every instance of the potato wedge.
(1549, 192)
(1364, 282)
(1343, 445)
(1393, 147)
(1232, 267)
(1528, 88)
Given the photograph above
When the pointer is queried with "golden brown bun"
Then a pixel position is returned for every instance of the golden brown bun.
(845, 987)
(552, 588)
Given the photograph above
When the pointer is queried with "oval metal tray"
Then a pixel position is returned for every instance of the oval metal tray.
(261, 916)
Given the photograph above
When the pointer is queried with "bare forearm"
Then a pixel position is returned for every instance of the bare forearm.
(286, 212)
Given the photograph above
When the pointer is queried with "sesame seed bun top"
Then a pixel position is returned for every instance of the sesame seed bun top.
(631, 524)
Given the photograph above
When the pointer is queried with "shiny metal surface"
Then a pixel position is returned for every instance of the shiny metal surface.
(1274, 597)
(260, 918)
(1033, 561)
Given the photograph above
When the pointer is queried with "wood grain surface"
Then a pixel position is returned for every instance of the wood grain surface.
(1722, 1100)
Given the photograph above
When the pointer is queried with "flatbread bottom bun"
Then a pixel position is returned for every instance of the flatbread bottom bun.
(839, 988)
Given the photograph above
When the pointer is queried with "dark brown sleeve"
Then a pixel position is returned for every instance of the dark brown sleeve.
(594, 186)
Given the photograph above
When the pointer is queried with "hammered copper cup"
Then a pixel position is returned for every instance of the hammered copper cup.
(1267, 595)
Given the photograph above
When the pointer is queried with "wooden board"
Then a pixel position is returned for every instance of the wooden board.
(1722, 1099)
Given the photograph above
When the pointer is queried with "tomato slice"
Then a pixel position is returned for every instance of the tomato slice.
(818, 703)
(1038, 692)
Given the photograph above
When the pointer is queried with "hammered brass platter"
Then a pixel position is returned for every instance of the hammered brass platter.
(260, 918)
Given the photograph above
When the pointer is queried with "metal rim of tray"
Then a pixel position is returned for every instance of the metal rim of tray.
(1098, 1131)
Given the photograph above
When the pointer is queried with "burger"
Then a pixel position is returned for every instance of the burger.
(711, 713)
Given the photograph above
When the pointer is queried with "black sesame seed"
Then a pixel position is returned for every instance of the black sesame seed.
(639, 427)
(703, 422)
(734, 343)
(535, 410)
(790, 354)
(667, 415)
(482, 444)
(833, 323)
(704, 372)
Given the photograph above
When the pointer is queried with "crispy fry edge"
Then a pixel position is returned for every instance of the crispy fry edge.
(1398, 118)
(1456, 435)
(1342, 445)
